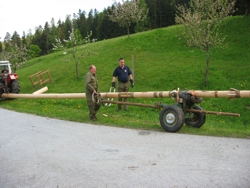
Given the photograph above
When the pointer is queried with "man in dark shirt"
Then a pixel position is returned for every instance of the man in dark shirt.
(124, 75)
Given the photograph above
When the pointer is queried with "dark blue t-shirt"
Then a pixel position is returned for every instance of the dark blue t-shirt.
(122, 74)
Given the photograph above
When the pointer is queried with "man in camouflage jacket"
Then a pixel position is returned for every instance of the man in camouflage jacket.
(92, 88)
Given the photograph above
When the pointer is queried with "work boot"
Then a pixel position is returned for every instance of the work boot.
(92, 118)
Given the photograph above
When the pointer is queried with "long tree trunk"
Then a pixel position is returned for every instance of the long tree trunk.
(74, 56)
(128, 31)
(77, 74)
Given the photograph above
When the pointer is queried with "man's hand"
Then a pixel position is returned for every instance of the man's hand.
(132, 83)
(113, 85)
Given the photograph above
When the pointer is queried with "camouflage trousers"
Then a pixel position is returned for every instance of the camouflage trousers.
(93, 106)
(123, 87)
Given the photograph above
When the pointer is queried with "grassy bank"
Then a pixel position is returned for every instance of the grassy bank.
(162, 63)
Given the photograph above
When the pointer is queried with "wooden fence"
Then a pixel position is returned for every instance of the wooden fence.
(40, 78)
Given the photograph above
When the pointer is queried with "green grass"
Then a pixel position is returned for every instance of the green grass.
(162, 63)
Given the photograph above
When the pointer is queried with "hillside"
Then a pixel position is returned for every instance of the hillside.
(162, 63)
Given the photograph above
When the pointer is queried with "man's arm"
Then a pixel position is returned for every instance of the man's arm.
(113, 82)
(131, 77)
(131, 80)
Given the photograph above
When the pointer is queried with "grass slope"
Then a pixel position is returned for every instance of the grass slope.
(162, 63)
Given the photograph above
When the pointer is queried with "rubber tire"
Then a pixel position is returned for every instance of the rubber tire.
(14, 87)
(175, 112)
(198, 118)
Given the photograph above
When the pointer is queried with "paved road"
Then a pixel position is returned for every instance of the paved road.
(41, 152)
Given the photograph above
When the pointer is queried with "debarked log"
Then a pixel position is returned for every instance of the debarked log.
(162, 94)
(221, 94)
(40, 91)
(153, 94)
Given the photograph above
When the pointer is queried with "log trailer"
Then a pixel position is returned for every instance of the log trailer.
(172, 117)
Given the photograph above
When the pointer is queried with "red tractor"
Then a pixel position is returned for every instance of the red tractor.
(8, 80)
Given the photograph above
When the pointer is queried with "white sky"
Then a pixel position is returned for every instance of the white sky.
(22, 15)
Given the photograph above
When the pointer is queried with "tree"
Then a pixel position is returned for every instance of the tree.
(242, 7)
(16, 39)
(7, 37)
(23, 39)
(94, 24)
(29, 38)
(127, 13)
(107, 29)
(1, 47)
(52, 34)
(61, 30)
(201, 20)
(74, 21)
(68, 26)
(39, 39)
(15, 54)
(34, 51)
(90, 20)
(161, 13)
(82, 23)
(143, 24)
(247, 2)
(45, 36)
(72, 44)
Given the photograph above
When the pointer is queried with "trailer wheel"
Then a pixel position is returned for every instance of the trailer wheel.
(171, 118)
(195, 119)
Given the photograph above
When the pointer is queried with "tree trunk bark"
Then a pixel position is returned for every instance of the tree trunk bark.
(128, 31)
(74, 56)
(77, 74)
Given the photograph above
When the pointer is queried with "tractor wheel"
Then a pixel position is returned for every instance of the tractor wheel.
(195, 119)
(172, 118)
(14, 87)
